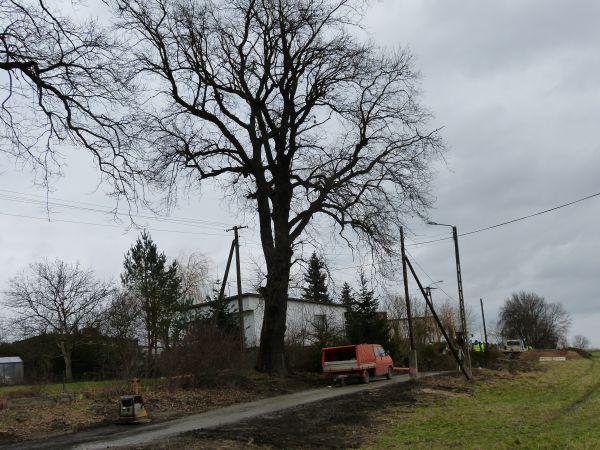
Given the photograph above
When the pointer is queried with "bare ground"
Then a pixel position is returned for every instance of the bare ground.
(35, 415)
(534, 355)
(342, 422)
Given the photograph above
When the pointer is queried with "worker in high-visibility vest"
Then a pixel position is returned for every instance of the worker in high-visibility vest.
(478, 346)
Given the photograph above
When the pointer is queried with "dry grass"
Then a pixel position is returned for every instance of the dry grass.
(553, 407)
(37, 411)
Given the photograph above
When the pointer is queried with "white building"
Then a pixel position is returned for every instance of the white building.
(303, 317)
(11, 370)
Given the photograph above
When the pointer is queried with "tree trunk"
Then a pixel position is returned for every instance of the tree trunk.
(271, 357)
(66, 354)
(149, 349)
(278, 257)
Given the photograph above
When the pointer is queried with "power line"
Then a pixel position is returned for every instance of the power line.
(185, 222)
(507, 222)
(428, 276)
(539, 213)
(352, 267)
(109, 225)
(93, 207)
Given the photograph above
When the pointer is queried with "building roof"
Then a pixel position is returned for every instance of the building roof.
(10, 360)
(255, 295)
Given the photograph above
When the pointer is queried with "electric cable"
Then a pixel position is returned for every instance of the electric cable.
(93, 207)
(507, 222)
(110, 225)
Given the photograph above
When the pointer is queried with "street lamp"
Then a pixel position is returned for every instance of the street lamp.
(428, 290)
(434, 283)
(461, 301)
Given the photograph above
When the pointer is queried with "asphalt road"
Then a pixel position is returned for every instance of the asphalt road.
(130, 435)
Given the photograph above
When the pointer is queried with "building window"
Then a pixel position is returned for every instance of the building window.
(320, 321)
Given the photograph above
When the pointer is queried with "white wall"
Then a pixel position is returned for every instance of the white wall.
(301, 318)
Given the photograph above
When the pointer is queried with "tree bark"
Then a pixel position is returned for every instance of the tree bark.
(149, 349)
(66, 354)
(278, 256)
(271, 356)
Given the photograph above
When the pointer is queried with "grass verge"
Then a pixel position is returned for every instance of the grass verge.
(555, 406)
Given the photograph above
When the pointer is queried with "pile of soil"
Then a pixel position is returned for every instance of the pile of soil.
(583, 353)
(534, 355)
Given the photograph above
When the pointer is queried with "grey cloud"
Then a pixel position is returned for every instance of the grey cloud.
(516, 86)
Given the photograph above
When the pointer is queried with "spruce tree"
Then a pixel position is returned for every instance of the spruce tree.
(315, 288)
(346, 296)
(364, 324)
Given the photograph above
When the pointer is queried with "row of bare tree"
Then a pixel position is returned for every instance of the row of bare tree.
(151, 305)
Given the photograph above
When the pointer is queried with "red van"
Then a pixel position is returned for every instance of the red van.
(362, 360)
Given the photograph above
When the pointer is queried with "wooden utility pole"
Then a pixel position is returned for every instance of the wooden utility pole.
(463, 321)
(412, 359)
(224, 283)
(226, 275)
(461, 365)
(484, 328)
(461, 301)
(238, 270)
(437, 336)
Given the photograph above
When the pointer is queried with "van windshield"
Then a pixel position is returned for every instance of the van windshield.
(513, 342)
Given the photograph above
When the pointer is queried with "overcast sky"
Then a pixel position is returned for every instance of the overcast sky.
(516, 86)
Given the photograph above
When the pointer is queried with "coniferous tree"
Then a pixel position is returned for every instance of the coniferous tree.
(364, 323)
(346, 296)
(156, 287)
(220, 312)
(315, 280)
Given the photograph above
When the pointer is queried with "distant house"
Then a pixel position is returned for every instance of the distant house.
(304, 318)
(425, 329)
(11, 370)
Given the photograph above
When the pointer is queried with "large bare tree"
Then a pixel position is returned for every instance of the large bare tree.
(60, 82)
(528, 316)
(58, 298)
(293, 111)
(282, 101)
(580, 341)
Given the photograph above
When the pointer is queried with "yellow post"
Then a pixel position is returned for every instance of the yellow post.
(135, 386)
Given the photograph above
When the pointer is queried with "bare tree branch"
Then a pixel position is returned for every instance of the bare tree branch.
(282, 102)
(61, 81)
(57, 298)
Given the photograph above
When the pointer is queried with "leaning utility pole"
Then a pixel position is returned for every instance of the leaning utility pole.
(461, 301)
(466, 373)
(236, 241)
(224, 283)
(412, 359)
(484, 328)
(226, 275)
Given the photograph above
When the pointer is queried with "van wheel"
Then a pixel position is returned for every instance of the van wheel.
(365, 376)
(389, 374)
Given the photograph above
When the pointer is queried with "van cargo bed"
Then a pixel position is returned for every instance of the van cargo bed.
(346, 366)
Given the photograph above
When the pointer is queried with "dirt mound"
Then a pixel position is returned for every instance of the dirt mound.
(580, 351)
(534, 355)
